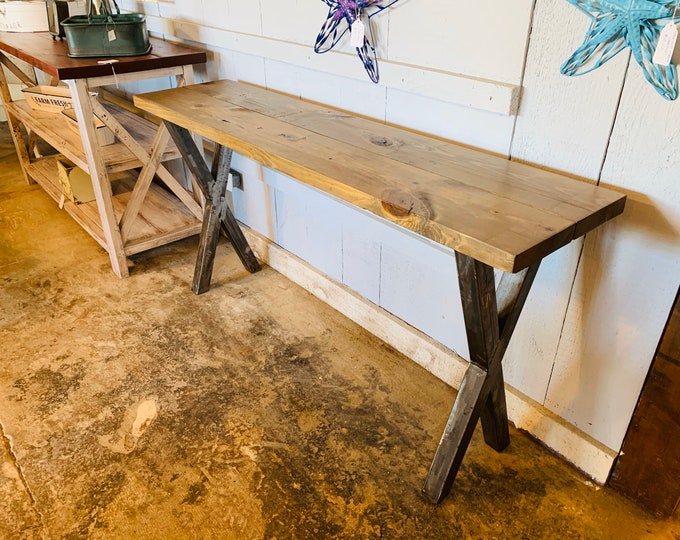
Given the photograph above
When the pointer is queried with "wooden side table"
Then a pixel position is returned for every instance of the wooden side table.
(130, 212)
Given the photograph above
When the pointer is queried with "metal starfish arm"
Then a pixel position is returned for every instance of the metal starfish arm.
(617, 24)
(341, 15)
(367, 53)
(605, 38)
(330, 33)
(377, 7)
(369, 58)
(587, 7)
(646, 9)
(663, 78)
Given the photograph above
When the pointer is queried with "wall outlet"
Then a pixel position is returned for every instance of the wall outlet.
(235, 180)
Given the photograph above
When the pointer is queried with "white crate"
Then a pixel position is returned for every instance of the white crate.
(48, 98)
(104, 135)
(23, 16)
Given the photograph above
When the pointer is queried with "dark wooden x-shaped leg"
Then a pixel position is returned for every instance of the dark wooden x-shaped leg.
(482, 393)
(216, 214)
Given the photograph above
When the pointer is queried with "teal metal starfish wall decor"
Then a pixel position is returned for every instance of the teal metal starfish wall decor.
(617, 24)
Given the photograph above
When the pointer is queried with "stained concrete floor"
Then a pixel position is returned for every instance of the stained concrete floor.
(134, 409)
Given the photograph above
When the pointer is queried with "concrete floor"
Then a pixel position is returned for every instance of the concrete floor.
(134, 409)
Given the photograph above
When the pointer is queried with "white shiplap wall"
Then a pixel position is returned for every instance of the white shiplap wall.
(455, 69)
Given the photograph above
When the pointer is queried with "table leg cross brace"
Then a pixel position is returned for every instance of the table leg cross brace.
(482, 393)
(216, 215)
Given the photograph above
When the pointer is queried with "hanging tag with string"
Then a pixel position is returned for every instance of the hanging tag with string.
(667, 39)
(357, 31)
(111, 31)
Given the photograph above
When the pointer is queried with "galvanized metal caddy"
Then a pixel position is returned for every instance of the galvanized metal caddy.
(106, 33)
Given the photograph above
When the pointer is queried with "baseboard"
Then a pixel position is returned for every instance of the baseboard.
(578, 448)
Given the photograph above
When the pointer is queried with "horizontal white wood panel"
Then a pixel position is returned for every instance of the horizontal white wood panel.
(361, 255)
(358, 96)
(242, 67)
(218, 12)
(481, 129)
(484, 39)
(296, 21)
(243, 16)
(255, 204)
(484, 94)
(308, 223)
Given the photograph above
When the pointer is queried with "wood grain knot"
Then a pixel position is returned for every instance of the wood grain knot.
(290, 137)
(401, 204)
(382, 141)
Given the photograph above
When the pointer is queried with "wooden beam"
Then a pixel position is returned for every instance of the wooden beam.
(143, 182)
(457, 435)
(14, 125)
(100, 178)
(14, 69)
(482, 394)
(218, 215)
(142, 155)
(478, 295)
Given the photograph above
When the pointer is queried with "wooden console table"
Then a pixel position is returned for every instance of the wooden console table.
(493, 212)
(130, 213)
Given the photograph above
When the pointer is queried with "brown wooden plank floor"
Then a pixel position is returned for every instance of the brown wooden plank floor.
(276, 417)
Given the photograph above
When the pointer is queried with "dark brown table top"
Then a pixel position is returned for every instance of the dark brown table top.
(51, 56)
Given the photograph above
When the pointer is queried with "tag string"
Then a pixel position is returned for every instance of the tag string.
(113, 69)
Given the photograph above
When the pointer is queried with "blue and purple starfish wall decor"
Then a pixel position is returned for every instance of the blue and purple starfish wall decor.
(342, 15)
(617, 24)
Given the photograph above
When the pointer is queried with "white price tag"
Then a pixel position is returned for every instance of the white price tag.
(112, 35)
(357, 33)
(666, 46)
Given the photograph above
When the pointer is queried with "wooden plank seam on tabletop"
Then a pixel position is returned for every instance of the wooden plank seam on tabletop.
(402, 145)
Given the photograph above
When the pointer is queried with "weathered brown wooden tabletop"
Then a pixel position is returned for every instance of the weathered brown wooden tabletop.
(506, 214)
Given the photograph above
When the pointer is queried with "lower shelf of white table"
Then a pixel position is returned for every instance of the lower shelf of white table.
(163, 218)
